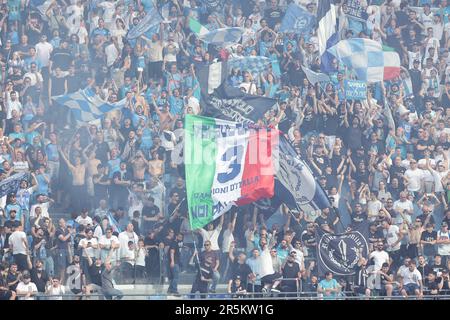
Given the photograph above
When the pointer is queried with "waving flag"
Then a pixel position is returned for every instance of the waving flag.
(197, 28)
(326, 19)
(252, 64)
(297, 20)
(151, 21)
(12, 183)
(370, 61)
(222, 36)
(86, 106)
(113, 223)
(211, 76)
(226, 164)
(295, 183)
(232, 104)
(315, 77)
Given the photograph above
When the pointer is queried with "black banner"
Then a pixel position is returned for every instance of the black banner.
(354, 9)
(229, 103)
(340, 253)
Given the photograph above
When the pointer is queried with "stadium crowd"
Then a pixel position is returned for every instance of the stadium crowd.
(105, 202)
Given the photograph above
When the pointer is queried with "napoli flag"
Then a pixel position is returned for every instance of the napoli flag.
(369, 60)
(297, 20)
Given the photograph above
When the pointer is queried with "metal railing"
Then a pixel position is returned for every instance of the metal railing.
(227, 296)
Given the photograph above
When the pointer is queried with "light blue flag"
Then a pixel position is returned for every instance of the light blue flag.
(151, 20)
(252, 64)
(315, 77)
(86, 106)
(222, 36)
(297, 20)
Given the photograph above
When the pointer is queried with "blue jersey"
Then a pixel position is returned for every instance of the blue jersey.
(16, 207)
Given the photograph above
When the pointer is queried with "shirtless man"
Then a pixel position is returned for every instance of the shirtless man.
(78, 195)
(166, 119)
(156, 166)
(91, 170)
(139, 164)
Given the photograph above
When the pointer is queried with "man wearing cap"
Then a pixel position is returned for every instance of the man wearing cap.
(443, 242)
(291, 274)
(26, 290)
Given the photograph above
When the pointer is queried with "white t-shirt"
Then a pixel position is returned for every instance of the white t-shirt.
(391, 237)
(400, 207)
(438, 187)
(30, 287)
(427, 20)
(129, 256)
(43, 52)
(226, 241)
(140, 257)
(155, 51)
(111, 54)
(373, 207)
(443, 249)
(55, 291)
(44, 209)
(91, 252)
(266, 263)
(98, 232)
(379, 257)
(13, 105)
(84, 221)
(212, 236)
(414, 177)
(104, 241)
(16, 240)
(411, 276)
(249, 87)
(124, 237)
(300, 257)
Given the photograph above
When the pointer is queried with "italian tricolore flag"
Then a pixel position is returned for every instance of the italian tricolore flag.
(226, 164)
(197, 27)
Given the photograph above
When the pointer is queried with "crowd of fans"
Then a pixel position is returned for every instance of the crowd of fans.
(384, 159)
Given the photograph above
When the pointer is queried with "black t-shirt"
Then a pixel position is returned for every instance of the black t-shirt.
(96, 274)
(434, 285)
(241, 270)
(61, 58)
(437, 268)
(173, 245)
(73, 83)
(375, 237)
(309, 240)
(290, 271)
(62, 244)
(358, 218)
(322, 221)
(11, 278)
(384, 279)
(273, 16)
(424, 270)
(150, 212)
(102, 152)
(41, 281)
(58, 85)
(206, 271)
